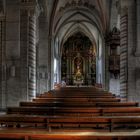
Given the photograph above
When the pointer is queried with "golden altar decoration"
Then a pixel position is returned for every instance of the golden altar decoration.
(78, 77)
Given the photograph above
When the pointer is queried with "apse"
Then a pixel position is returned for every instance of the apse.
(78, 60)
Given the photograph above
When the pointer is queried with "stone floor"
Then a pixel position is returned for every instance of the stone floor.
(83, 132)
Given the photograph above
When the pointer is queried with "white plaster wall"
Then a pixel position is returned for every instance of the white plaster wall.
(100, 64)
(114, 86)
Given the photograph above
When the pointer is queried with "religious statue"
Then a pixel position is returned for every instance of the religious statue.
(78, 74)
(78, 63)
(78, 71)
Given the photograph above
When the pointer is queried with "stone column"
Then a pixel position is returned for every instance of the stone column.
(23, 52)
(2, 63)
(137, 53)
(107, 75)
(29, 16)
(49, 62)
(32, 55)
(123, 53)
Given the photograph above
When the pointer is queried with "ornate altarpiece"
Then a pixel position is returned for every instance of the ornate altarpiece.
(78, 60)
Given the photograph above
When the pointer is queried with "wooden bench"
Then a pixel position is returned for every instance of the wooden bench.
(77, 110)
(82, 89)
(118, 104)
(22, 120)
(79, 122)
(94, 122)
(51, 96)
(64, 111)
(125, 122)
(76, 104)
(76, 93)
(61, 122)
(57, 104)
(77, 99)
(121, 111)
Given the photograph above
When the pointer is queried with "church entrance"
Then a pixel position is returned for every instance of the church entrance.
(78, 61)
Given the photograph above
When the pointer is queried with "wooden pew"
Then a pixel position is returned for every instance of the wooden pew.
(62, 111)
(80, 109)
(118, 104)
(57, 104)
(61, 122)
(78, 122)
(125, 122)
(121, 111)
(76, 104)
(82, 93)
(82, 89)
(94, 122)
(79, 92)
(21, 120)
(77, 99)
(74, 96)
(77, 112)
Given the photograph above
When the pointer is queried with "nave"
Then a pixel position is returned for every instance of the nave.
(90, 46)
(80, 113)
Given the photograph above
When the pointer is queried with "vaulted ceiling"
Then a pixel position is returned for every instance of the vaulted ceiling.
(67, 17)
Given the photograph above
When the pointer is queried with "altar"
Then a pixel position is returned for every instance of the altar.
(78, 77)
(78, 82)
(78, 61)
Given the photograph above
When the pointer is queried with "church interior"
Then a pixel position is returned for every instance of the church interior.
(73, 71)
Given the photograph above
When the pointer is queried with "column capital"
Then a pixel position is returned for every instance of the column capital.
(124, 10)
(31, 6)
(2, 7)
(27, 4)
(137, 54)
(35, 11)
(124, 6)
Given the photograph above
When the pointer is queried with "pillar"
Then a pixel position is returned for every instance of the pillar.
(123, 53)
(138, 28)
(2, 64)
(32, 55)
(29, 16)
(137, 53)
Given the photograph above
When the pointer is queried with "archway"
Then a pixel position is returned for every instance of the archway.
(78, 60)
